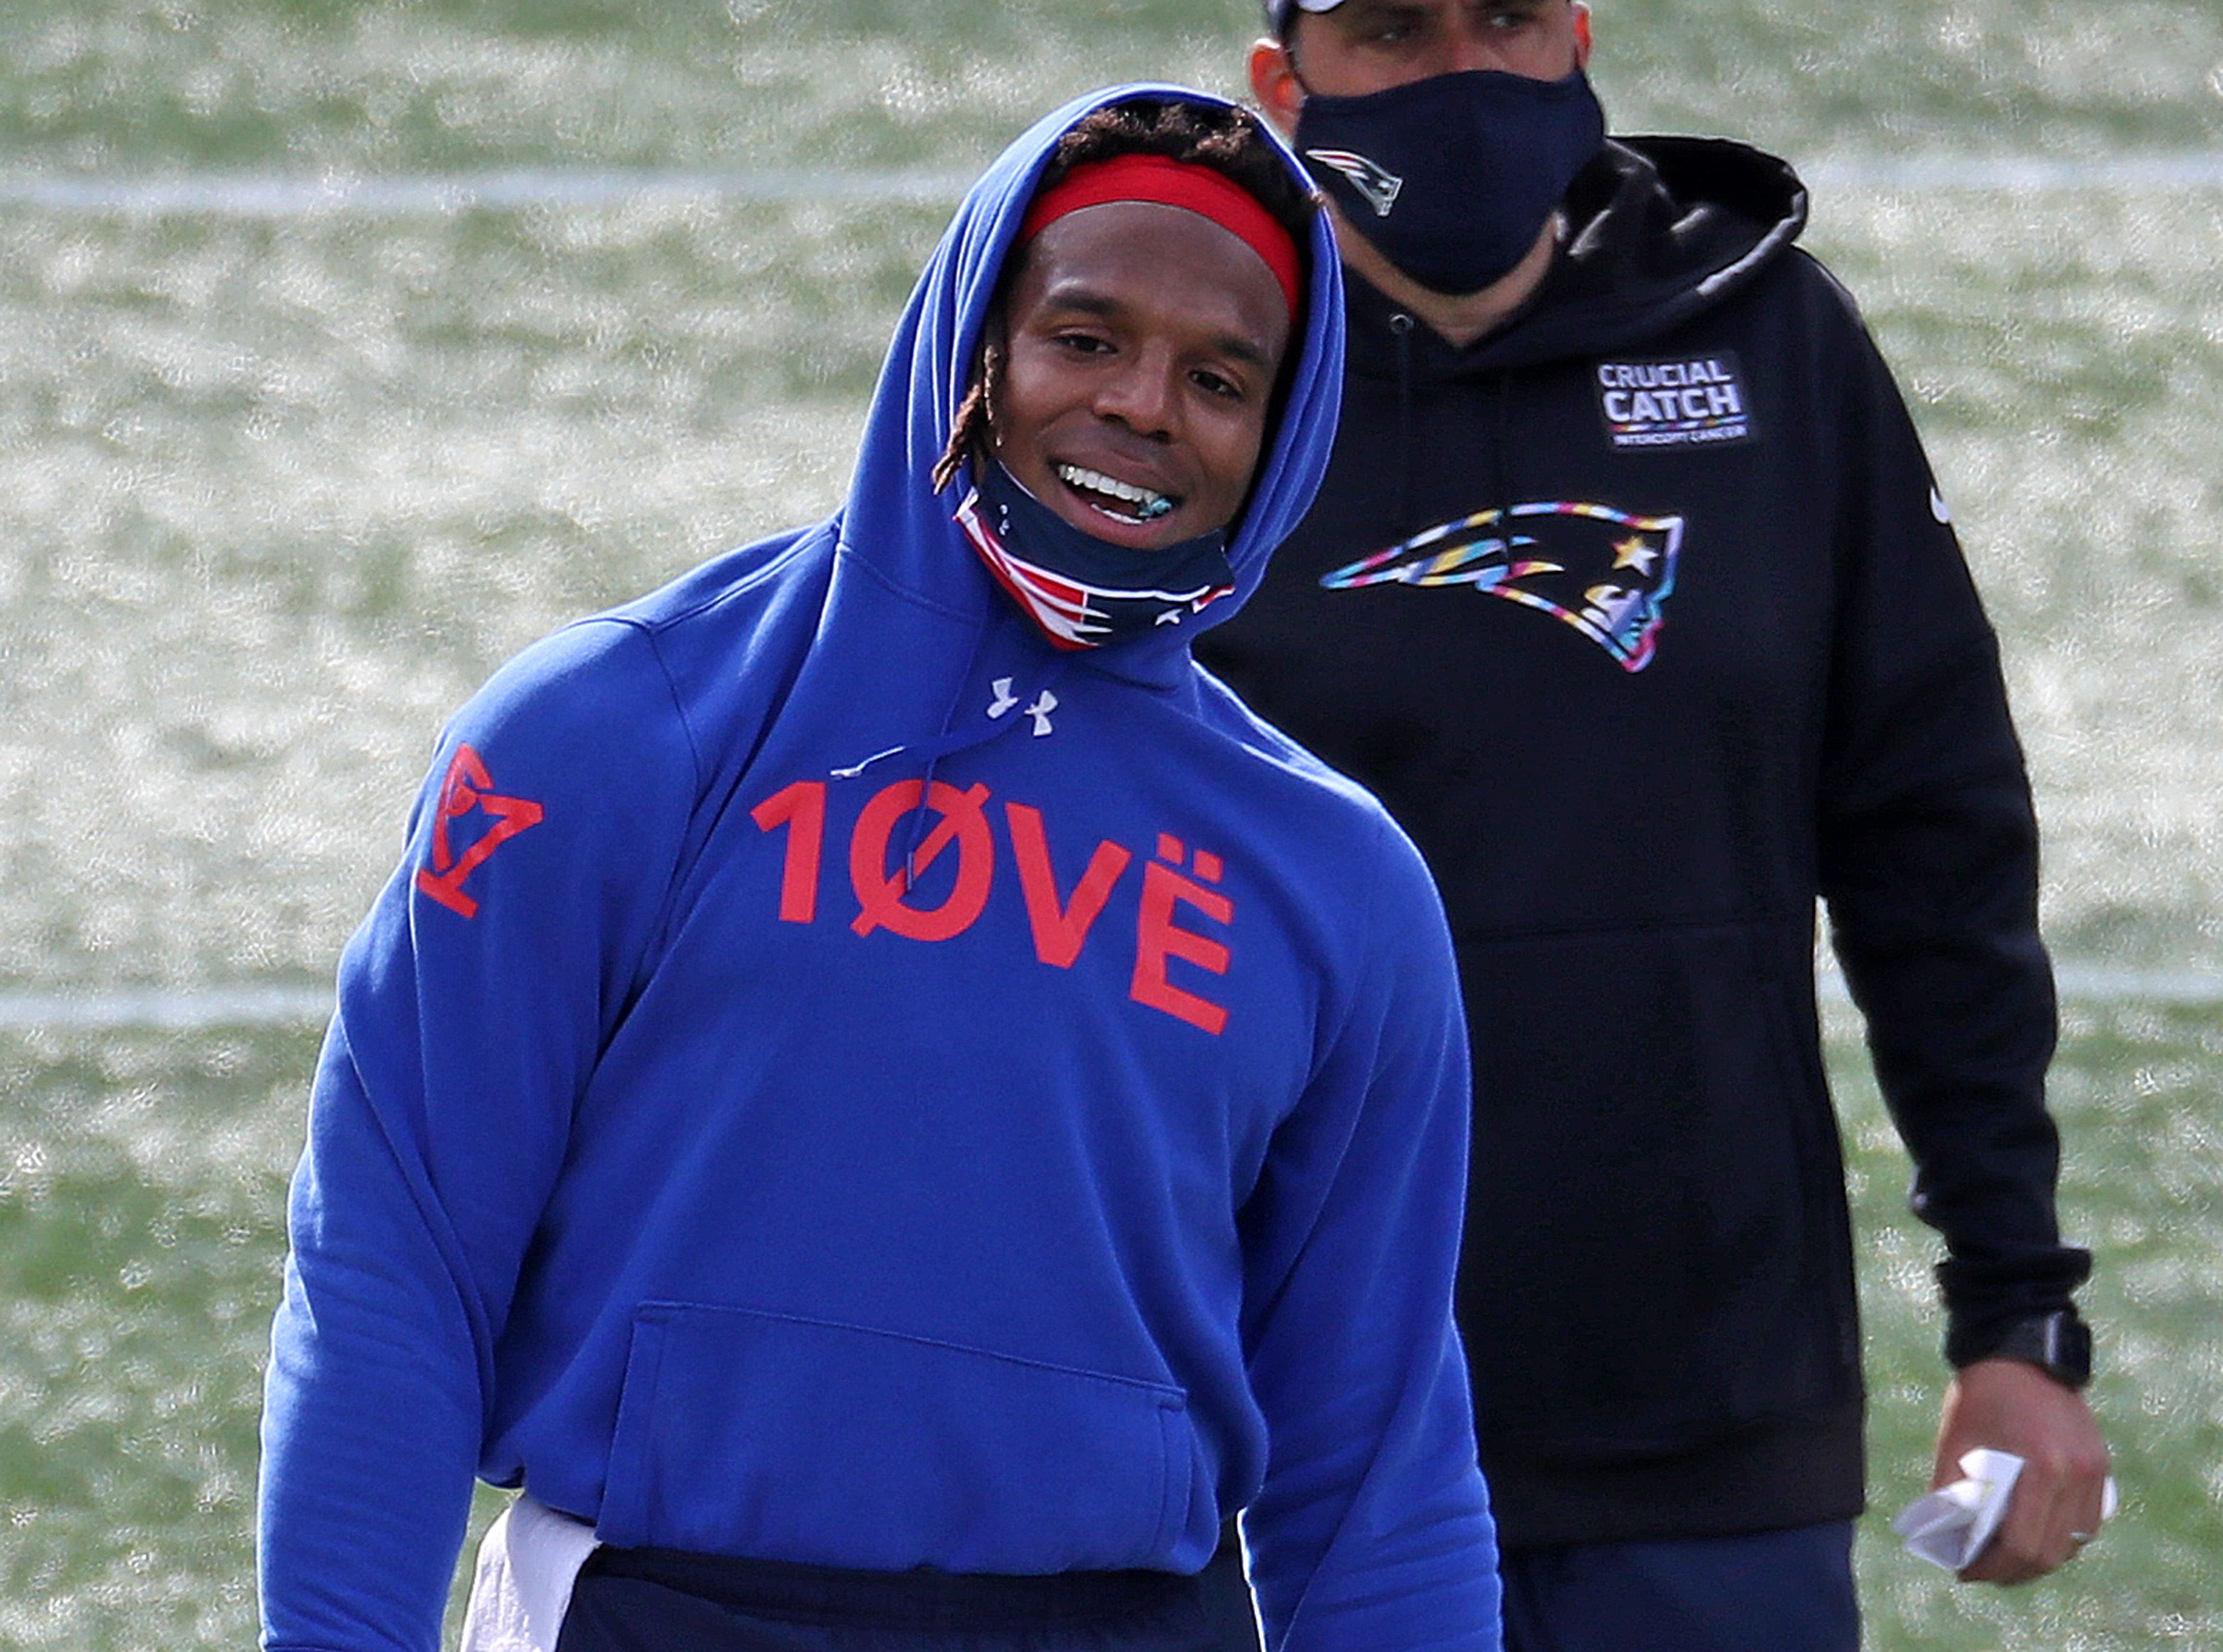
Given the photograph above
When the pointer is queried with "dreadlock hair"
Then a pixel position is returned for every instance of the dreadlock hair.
(1230, 141)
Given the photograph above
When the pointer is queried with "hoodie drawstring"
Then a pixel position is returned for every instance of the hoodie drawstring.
(949, 745)
(1008, 712)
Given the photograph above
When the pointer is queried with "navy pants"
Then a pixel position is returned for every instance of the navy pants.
(1789, 1590)
(660, 1600)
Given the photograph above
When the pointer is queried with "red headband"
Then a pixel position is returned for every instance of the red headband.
(1168, 182)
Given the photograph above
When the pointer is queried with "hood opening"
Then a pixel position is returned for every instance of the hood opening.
(898, 523)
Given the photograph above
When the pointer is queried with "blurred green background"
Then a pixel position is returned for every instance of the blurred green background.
(346, 347)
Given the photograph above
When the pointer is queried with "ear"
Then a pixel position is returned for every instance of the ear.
(1581, 35)
(1274, 85)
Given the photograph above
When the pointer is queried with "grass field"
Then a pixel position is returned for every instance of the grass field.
(281, 483)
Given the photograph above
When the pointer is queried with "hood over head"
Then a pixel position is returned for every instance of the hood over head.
(895, 522)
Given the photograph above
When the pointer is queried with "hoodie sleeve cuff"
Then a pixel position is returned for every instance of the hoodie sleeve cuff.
(1984, 1299)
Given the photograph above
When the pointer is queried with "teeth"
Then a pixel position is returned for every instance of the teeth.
(1146, 502)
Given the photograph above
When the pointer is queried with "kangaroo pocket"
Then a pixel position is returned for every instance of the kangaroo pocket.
(1657, 1253)
(787, 1439)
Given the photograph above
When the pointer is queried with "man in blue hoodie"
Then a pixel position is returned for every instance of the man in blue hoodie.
(1632, 595)
(881, 1097)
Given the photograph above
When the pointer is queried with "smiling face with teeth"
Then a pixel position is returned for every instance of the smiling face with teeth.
(1136, 353)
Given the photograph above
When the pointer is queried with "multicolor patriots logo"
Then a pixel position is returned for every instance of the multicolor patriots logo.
(1605, 572)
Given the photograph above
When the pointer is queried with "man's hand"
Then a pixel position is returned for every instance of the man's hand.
(2011, 1406)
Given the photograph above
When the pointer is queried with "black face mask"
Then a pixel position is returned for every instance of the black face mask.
(1081, 591)
(1453, 177)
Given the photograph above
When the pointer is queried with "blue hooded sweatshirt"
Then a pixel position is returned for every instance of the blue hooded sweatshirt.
(671, 1157)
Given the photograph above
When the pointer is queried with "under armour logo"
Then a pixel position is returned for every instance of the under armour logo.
(1004, 699)
(1374, 183)
(1045, 703)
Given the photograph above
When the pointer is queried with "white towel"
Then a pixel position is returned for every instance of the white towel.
(1949, 1527)
(522, 1586)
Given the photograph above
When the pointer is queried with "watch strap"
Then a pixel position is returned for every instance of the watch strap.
(2058, 1344)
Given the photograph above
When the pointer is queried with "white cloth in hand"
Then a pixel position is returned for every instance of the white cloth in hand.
(1949, 1527)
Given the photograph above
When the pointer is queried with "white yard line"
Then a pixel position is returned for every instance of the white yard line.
(164, 1011)
(211, 1007)
(277, 195)
(2028, 174)
(2100, 984)
(241, 194)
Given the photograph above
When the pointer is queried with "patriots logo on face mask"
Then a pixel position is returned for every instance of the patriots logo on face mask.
(1604, 572)
(1378, 183)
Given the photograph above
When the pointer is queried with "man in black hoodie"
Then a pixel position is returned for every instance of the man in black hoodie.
(1631, 593)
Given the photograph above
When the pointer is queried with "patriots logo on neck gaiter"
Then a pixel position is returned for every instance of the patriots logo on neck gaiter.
(1079, 591)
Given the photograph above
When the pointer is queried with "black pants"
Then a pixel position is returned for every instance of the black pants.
(662, 1600)
(1788, 1591)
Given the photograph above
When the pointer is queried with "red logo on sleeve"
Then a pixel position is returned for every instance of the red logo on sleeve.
(468, 789)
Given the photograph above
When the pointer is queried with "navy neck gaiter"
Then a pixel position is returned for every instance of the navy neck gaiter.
(1081, 591)
(1453, 177)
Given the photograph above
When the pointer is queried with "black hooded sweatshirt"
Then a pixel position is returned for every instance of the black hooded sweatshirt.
(1732, 660)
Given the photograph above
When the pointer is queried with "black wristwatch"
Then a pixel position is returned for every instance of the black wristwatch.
(2057, 1343)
